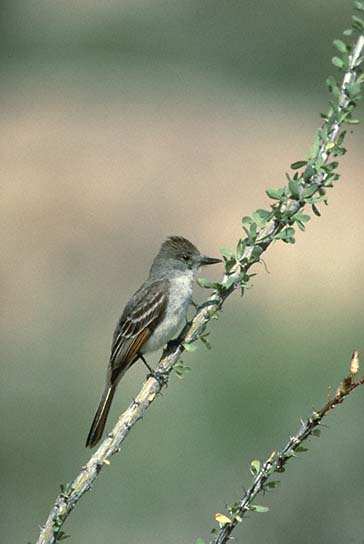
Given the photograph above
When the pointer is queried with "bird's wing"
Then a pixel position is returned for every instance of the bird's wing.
(140, 317)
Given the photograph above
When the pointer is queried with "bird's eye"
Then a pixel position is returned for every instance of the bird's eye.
(185, 258)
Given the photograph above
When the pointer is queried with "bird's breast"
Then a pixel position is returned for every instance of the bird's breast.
(179, 299)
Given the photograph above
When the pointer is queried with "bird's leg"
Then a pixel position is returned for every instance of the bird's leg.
(195, 305)
(195, 309)
(146, 364)
(162, 380)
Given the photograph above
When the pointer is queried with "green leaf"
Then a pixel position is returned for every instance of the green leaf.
(234, 508)
(189, 346)
(247, 220)
(301, 449)
(205, 342)
(354, 89)
(313, 152)
(229, 282)
(294, 187)
(240, 248)
(229, 265)
(61, 535)
(358, 23)
(338, 62)
(251, 233)
(302, 217)
(359, 6)
(244, 279)
(261, 217)
(332, 85)
(298, 164)
(272, 484)
(331, 166)
(258, 508)
(287, 235)
(180, 369)
(309, 191)
(255, 467)
(340, 46)
(256, 252)
(199, 541)
(315, 210)
(205, 283)
(276, 194)
(227, 253)
(339, 151)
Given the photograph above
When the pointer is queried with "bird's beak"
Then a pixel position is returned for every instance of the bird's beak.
(208, 260)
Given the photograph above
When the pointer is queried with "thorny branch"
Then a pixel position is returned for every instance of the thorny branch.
(314, 180)
(277, 460)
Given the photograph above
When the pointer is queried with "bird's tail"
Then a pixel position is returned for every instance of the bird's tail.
(98, 424)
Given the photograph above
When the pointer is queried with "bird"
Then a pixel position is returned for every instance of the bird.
(153, 316)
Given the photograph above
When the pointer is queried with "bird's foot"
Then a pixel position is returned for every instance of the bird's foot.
(161, 377)
(173, 344)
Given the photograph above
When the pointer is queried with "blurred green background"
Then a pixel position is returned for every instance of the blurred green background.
(123, 122)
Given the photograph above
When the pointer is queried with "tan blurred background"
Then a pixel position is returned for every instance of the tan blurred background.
(124, 122)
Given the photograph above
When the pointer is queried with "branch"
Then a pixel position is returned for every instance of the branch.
(262, 229)
(276, 461)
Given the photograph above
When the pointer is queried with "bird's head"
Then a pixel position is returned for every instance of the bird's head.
(177, 254)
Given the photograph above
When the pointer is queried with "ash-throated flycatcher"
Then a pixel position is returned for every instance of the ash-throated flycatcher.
(153, 316)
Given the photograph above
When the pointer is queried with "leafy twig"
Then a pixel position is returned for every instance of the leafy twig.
(262, 229)
(277, 461)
